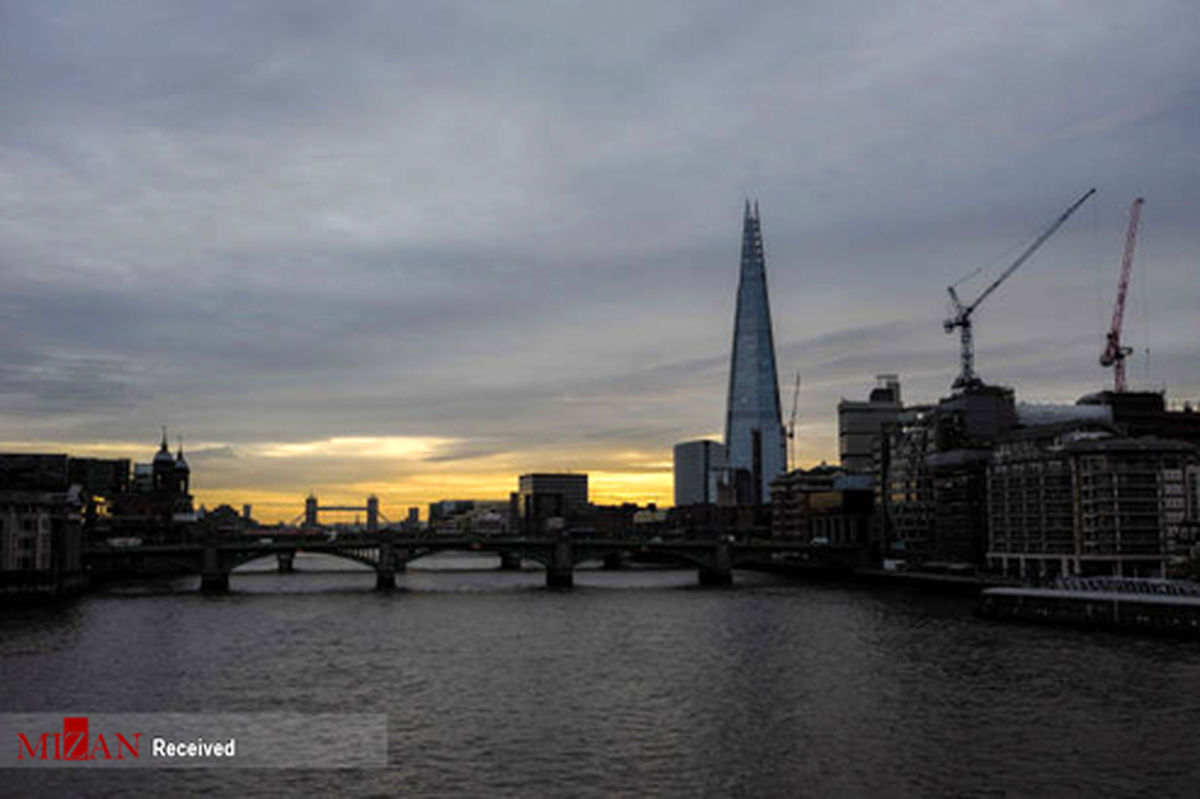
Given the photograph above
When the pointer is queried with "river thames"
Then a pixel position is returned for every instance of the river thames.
(634, 683)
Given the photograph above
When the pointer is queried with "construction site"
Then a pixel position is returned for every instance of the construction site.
(981, 483)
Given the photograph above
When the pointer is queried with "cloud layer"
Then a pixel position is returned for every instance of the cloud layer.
(512, 231)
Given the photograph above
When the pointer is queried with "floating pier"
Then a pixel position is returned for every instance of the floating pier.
(1146, 605)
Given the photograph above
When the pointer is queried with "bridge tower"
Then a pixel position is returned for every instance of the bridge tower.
(310, 511)
(372, 514)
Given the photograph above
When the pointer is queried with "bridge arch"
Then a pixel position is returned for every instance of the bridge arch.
(243, 557)
(139, 567)
(410, 555)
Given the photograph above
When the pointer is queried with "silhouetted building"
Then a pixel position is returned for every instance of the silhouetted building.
(699, 472)
(611, 521)
(824, 505)
(224, 520)
(1144, 413)
(754, 437)
(49, 503)
(21, 471)
(1087, 502)
(1035, 491)
(99, 481)
(862, 424)
(935, 507)
(462, 516)
(159, 499)
(41, 542)
(448, 508)
(548, 500)
(718, 521)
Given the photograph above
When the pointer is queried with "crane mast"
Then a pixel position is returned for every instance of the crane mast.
(962, 313)
(791, 428)
(1114, 352)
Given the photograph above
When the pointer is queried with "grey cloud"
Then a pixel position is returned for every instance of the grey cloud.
(468, 451)
(52, 385)
(519, 225)
(211, 453)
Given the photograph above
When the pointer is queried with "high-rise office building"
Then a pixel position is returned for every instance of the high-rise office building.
(699, 468)
(754, 438)
(861, 424)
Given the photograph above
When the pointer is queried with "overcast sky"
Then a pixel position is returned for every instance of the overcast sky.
(417, 249)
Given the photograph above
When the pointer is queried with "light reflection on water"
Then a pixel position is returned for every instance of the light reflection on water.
(636, 682)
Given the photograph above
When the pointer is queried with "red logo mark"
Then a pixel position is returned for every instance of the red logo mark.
(76, 743)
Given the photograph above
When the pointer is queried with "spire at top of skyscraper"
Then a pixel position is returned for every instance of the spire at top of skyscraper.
(754, 435)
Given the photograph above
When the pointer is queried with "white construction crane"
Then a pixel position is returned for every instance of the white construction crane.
(962, 313)
(791, 428)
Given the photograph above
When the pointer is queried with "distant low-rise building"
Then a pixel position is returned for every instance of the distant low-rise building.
(41, 542)
(824, 505)
(462, 516)
(96, 481)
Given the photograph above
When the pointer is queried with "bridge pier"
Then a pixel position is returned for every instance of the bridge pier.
(720, 571)
(213, 578)
(217, 583)
(510, 561)
(714, 578)
(616, 560)
(385, 572)
(286, 561)
(560, 571)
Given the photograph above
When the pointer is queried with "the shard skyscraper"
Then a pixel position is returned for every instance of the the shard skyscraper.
(754, 435)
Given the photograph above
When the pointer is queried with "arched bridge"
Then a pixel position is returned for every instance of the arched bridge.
(389, 553)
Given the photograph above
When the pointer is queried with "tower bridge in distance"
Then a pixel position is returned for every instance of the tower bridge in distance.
(388, 553)
(313, 510)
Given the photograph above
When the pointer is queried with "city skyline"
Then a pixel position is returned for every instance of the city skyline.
(392, 252)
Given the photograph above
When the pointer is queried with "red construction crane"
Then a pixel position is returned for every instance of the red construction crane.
(962, 313)
(1114, 352)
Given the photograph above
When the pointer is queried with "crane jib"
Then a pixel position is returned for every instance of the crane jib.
(962, 317)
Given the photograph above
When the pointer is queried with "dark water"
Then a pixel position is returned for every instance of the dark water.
(635, 683)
